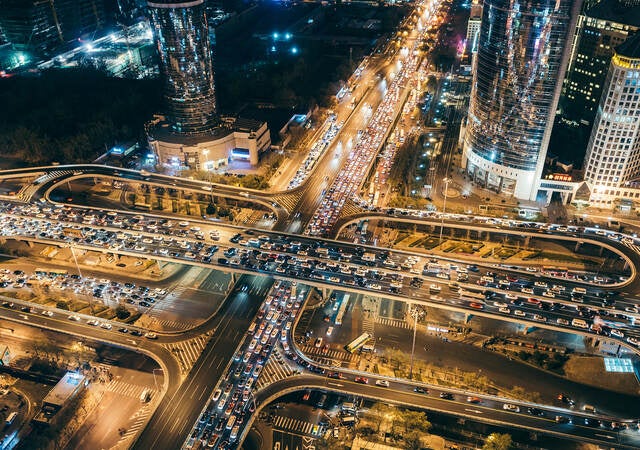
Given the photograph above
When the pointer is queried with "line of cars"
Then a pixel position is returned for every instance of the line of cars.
(337, 264)
(362, 153)
(221, 422)
(316, 151)
(83, 287)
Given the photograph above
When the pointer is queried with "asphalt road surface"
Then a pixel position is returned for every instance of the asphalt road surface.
(176, 414)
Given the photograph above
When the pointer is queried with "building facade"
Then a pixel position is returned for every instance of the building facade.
(234, 140)
(522, 55)
(42, 26)
(181, 34)
(599, 30)
(473, 27)
(612, 162)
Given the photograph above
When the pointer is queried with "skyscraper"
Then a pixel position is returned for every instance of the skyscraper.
(612, 163)
(182, 37)
(521, 60)
(599, 30)
(473, 26)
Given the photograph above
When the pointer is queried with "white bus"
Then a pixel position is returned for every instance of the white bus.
(342, 310)
(10, 418)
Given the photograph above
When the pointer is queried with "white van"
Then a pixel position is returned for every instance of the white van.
(145, 396)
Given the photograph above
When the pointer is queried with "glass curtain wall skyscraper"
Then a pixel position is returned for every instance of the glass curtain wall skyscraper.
(523, 50)
(182, 36)
(613, 153)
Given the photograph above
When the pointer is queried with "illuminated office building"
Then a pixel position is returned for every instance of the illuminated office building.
(599, 30)
(612, 163)
(182, 36)
(191, 134)
(520, 62)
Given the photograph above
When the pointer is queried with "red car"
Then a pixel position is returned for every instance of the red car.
(336, 375)
(476, 305)
(362, 380)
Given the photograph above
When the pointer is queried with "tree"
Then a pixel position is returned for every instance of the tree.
(415, 421)
(384, 413)
(497, 441)
(122, 312)
(413, 440)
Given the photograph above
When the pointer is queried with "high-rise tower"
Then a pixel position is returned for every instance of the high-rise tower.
(182, 37)
(599, 31)
(523, 50)
(612, 163)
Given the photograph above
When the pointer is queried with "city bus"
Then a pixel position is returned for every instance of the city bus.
(472, 294)
(358, 342)
(343, 308)
(10, 418)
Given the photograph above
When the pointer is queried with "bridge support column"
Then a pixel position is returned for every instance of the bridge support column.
(577, 247)
(30, 244)
(325, 293)
(601, 251)
(468, 235)
(527, 241)
(234, 278)
(467, 317)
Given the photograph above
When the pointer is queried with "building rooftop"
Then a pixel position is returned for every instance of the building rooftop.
(64, 390)
(631, 47)
(162, 131)
(616, 11)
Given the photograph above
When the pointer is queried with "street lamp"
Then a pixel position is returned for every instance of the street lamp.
(446, 182)
(415, 312)
(75, 259)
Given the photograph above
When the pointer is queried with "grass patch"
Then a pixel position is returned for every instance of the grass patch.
(590, 370)
(505, 253)
(133, 317)
(430, 243)
(402, 235)
(468, 248)
(77, 306)
(106, 313)
(449, 246)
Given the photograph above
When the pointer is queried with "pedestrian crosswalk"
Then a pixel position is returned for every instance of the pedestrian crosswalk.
(368, 324)
(187, 352)
(173, 325)
(273, 371)
(331, 354)
(289, 201)
(393, 322)
(127, 389)
(28, 190)
(297, 425)
(136, 423)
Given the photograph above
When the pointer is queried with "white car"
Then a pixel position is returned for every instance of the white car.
(519, 313)
(511, 407)
(617, 333)
(383, 383)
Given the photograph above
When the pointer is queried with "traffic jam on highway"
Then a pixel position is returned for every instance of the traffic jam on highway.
(223, 419)
(509, 290)
(366, 146)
